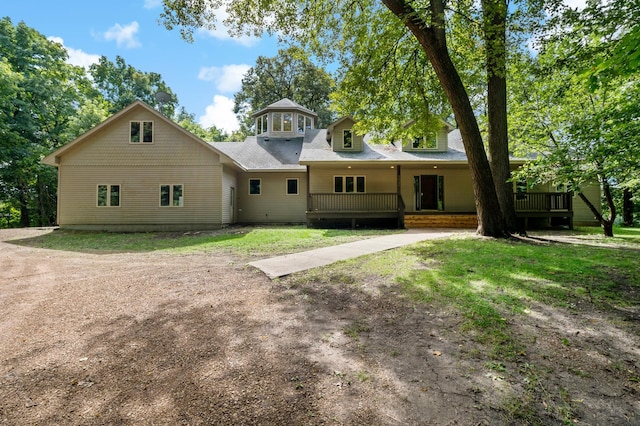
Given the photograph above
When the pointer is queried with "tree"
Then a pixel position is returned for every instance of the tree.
(121, 84)
(188, 122)
(584, 135)
(291, 75)
(321, 26)
(39, 94)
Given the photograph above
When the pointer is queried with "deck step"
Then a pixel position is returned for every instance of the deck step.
(441, 221)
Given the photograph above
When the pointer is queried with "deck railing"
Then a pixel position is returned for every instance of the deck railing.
(543, 201)
(354, 202)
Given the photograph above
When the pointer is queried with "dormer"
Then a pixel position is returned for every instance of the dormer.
(284, 119)
(421, 140)
(342, 138)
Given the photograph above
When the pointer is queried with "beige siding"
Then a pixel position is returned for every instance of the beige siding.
(458, 191)
(107, 158)
(110, 146)
(140, 196)
(229, 190)
(582, 215)
(273, 205)
(376, 180)
(337, 137)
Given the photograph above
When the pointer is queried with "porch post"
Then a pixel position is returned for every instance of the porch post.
(399, 198)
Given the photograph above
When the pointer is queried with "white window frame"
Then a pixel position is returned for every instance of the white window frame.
(287, 186)
(171, 195)
(259, 186)
(109, 188)
(262, 124)
(355, 184)
(142, 124)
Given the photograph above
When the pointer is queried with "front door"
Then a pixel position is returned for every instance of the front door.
(428, 192)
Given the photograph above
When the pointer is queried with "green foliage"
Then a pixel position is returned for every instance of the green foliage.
(584, 134)
(38, 97)
(121, 84)
(290, 75)
(45, 103)
(188, 122)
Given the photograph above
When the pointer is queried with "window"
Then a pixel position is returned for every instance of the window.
(348, 184)
(262, 124)
(108, 196)
(277, 121)
(347, 139)
(425, 142)
(254, 186)
(287, 122)
(141, 131)
(171, 195)
(282, 122)
(292, 186)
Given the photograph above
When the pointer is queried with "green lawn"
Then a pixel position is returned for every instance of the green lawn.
(491, 282)
(245, 241)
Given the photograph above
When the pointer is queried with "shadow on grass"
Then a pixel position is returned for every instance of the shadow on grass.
(103, 242)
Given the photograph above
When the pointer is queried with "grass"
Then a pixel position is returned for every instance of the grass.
(490, 281)
(248, 241)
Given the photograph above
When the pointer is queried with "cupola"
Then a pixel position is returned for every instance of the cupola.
(284, 119)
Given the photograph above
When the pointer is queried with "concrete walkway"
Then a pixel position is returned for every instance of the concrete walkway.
(296, 262)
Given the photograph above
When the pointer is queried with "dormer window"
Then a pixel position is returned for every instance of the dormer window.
(347, 139)
(425, 142)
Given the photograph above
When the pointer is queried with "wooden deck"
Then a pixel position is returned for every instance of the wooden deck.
(355, 207)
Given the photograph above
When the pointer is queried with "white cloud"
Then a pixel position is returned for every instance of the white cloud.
(220, 114)
(77, 56)
(228, 78)
(221, 32)
(580, 4)
(124, 35)
(152, 4)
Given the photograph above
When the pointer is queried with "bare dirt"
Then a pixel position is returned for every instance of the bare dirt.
(156, 338)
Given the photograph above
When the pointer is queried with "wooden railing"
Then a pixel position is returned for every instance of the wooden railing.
(543, 201)
(355, 202)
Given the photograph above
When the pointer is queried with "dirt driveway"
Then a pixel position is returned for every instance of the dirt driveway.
(156, 338)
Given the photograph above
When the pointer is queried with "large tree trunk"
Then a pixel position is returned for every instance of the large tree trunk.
(495, 20)
(627, 208)
(432, 38)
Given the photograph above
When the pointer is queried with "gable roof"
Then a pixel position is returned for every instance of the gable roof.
(53, 158)
(284, 105)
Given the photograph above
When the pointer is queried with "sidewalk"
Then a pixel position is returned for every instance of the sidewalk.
(288, 264)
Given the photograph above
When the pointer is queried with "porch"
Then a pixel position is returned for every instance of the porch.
(367, 206)
(354, 207)
(549, 206)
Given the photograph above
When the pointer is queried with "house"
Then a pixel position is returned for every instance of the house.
(139, 171)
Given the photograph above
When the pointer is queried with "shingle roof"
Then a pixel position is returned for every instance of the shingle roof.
(317, 149)
(259, 153)
(285, 104)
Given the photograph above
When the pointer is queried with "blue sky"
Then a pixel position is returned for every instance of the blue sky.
(204, 74)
